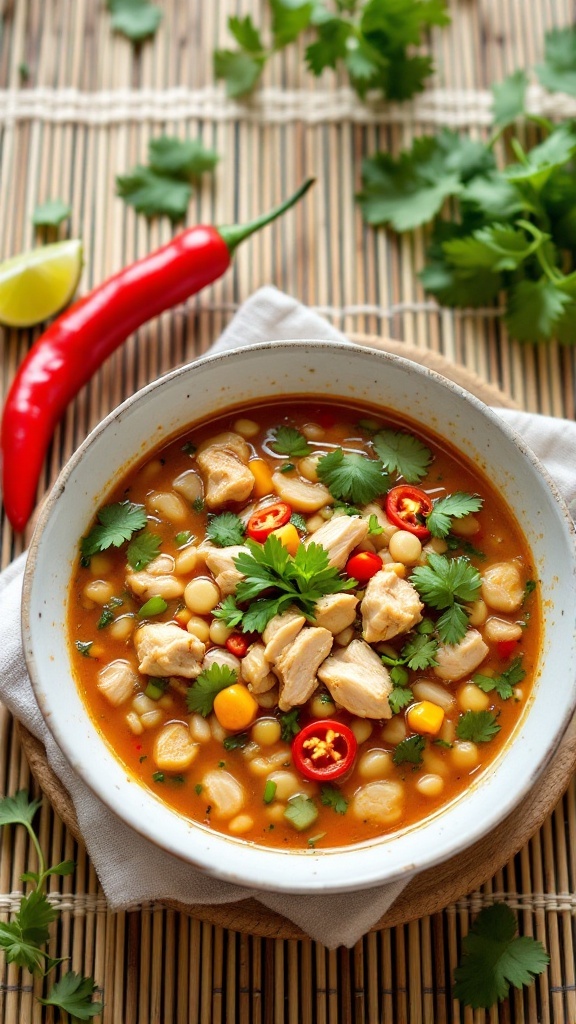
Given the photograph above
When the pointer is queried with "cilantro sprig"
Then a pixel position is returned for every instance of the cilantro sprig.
(494, 957)
(402, 453)
(477, 726)
(24, 937)
(165, 184)
(136, 19)
(225, 530)
(370, 40)
(143, 549)
(115, 525)
(452, 506)
(201, 694)
(505, 682)
(447, 584)
(289, 441)
(419, 651)
(350, 476)
(300, 579)
(410, 751)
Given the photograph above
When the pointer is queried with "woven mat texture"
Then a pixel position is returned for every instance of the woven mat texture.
(85, 113)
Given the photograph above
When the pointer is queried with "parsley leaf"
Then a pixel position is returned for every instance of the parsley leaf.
(116, 524)
(200, 695)
(51, 213)
(73, 994)
(18, 809)
(453, 506)
(409, 751)
(505, 682)
(289, 441)
(352, 477)
(444, 582)
(289, 725)
(143, 549)
(509, 98)
(21, 937)
(333, 797)
(225, 530)
(558, 72)
(229, 612)
(135, 19)
(495, 957)
(403, 453)
(477, 726)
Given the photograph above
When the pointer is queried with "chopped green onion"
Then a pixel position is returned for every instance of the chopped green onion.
(156, 688)
(269, 791)
(287, 468)
(183, 538)
(155, 606)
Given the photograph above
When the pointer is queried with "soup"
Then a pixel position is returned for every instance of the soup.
(305, 624)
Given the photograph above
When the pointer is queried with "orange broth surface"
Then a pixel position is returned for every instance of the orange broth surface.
(103, 616)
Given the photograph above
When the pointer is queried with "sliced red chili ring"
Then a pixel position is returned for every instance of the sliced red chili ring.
(324, 750)
(506, 648)
(407, 508)
(269, 518)
(237, 645)
(363, 566)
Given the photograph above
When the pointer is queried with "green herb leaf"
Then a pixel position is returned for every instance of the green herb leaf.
(399, 698)
(143, 549)
(289, 441)
(225, 530)
(180, 158)
(558, 72)
(505, 682)
(402, 453)
(135, 19)
(420, 652)
(299, 522)
(154, 606)
(51, 213)
(151, 193)
(289, 725)
(83, 646)
(289, 19)
(183, 538)
(352, 477)
(18, 809)
(200, 695)
(236, 742)
(409, 751)
(535, 310)
(116, 524)
(374, 528)
(509, 98)
(239, 70)
(301, 812)
(495, 957)
(229, 612)
(443, 582)
(477, 726)
(453, 506)
(246, 33)
(333, 797)
(73, 994)
(269, 791)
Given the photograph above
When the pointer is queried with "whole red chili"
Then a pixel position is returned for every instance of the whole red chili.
(324, 750)
(70, 351)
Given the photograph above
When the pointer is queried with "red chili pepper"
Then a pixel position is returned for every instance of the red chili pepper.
(363, 566)
(237, 645)
(506, 648)
(269, 518)
(324, 750)
(70, 351)
(407, 507)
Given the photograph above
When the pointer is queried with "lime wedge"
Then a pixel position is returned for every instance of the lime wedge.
(36, 284)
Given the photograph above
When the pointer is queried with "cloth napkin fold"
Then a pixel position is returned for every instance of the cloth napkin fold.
(131, 869)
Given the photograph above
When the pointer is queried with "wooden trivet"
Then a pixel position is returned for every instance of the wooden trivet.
(433, 889)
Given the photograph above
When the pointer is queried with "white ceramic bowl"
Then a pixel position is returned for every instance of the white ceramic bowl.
(202, 390)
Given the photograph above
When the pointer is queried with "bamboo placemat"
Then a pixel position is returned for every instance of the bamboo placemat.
(85, 114)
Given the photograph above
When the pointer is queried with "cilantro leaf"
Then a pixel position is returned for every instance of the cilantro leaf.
(180, 158)
(535, 309)
(495, 248)
(352, 477)
(333, 797)
(509, 98)
(151, 193)
(420, 652)
(452, 506)
(21, 938)
(409, 751)
(289, 725)
(477, 726)
(402, 453)
(200, 695)
(51, 213)
(116, 524)
(495, 957)
(505, 682)
(18, 809)
(142, 549)
(289, 19)
(558, 72)
(399, 697)
(245, 33)
(135, 19)
(225, 530)
(444, 582)
(538, 163)
(289, 441)
(239, 70)
(73, 994)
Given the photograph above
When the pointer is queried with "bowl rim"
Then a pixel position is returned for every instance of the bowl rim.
(312, 880)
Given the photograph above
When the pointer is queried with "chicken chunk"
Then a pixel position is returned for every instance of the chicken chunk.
(339, 536)
(458, 660)
(227, 439)
(297, 666)
(163, 649)
(280, 631)
(156, 580)
(174, 749)
(221, 656)
(335, 612)
(301, 495)
(117, 682)
(358, 681)
(390, 606)
(502, 587)
(256, 670)
(220, 561)
(226, 477)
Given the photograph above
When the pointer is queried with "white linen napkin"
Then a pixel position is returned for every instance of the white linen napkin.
(131, 869)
